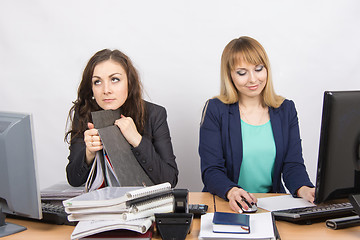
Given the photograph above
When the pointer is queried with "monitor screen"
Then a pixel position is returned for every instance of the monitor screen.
(338, 168)
(19, 190)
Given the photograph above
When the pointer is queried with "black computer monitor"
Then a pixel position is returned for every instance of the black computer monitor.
(19, 190)
(338, 171)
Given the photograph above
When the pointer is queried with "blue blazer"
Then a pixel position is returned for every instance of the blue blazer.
(221, 148)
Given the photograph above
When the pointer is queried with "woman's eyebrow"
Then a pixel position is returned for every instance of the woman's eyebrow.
(114, 74)
(111, 75)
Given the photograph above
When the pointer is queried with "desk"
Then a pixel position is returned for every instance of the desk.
(318, 231)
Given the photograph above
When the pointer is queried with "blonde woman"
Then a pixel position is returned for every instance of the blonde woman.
(249, 136)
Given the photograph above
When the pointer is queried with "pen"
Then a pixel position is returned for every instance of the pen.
(276, 232)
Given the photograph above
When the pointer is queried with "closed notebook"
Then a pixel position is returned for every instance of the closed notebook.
(231, 223)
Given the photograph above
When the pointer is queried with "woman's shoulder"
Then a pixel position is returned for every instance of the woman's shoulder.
(151, 105)
(287, 107)
(153, 109)
(216, 103)
(287, 104)
(215, 109)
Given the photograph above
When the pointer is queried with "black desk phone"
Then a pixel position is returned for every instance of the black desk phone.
(198, 209)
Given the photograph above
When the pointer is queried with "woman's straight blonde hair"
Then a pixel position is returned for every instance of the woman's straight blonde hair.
(249, 50)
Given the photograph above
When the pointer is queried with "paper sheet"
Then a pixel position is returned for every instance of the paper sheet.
(282, 202)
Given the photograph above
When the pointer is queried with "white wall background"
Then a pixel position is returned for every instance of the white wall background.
(176, 46)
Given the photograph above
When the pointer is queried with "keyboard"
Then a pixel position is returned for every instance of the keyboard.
(317, 213)
(55, 213)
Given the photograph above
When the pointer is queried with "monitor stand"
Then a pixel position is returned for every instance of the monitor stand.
(8, 228)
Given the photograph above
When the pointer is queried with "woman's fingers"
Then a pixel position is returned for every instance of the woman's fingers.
(237, 197)
(129, 130)
(92, 139)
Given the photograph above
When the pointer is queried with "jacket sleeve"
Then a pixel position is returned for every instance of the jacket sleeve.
(155, 151)
(294, 170)
(213, 163)
(77, 169)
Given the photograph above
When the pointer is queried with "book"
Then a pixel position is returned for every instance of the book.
(119, 165)
(89, 228)
(120, 235)
(261, 225)
(224, 222)
(110, 196)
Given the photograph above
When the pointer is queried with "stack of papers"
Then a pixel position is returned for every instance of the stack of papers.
(261, 227)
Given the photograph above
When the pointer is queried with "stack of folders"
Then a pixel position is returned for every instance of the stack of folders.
(111, 208)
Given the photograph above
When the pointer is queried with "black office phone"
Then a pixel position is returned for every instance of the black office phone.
(198, 209)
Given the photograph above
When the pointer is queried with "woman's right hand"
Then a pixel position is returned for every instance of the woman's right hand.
(93, 143)
(236, 195)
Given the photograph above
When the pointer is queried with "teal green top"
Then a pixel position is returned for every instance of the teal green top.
(259, 153)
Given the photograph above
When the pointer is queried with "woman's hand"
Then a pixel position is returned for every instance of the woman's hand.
(129, 130)
(235, 196)
(306, 193)
(93, 143)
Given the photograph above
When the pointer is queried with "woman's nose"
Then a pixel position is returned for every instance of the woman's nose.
(252, 76)
(107, 88)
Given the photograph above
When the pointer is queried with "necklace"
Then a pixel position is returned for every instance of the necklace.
(243, 114)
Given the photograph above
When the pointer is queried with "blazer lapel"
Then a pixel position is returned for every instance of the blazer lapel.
(235, 140)
(277, 132)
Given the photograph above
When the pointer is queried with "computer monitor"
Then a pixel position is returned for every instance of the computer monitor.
(19, 190)
(338, 171)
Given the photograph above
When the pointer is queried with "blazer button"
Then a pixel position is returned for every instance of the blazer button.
(150, 169)
(137, 153)
(143, 161)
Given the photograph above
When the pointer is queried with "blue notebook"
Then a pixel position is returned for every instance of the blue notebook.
(231, 223)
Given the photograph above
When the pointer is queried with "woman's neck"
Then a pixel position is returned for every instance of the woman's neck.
(253, 112)
(250, 103)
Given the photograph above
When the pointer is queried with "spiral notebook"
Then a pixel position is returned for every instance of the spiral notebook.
(164, 206)
(88, 228)
(111, 196)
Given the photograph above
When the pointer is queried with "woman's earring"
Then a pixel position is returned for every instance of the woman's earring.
(92, 97)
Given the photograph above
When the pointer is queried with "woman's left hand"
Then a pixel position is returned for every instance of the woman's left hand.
(129, 130)
(306, 193)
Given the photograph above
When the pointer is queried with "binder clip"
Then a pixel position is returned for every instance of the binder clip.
(176, 225)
